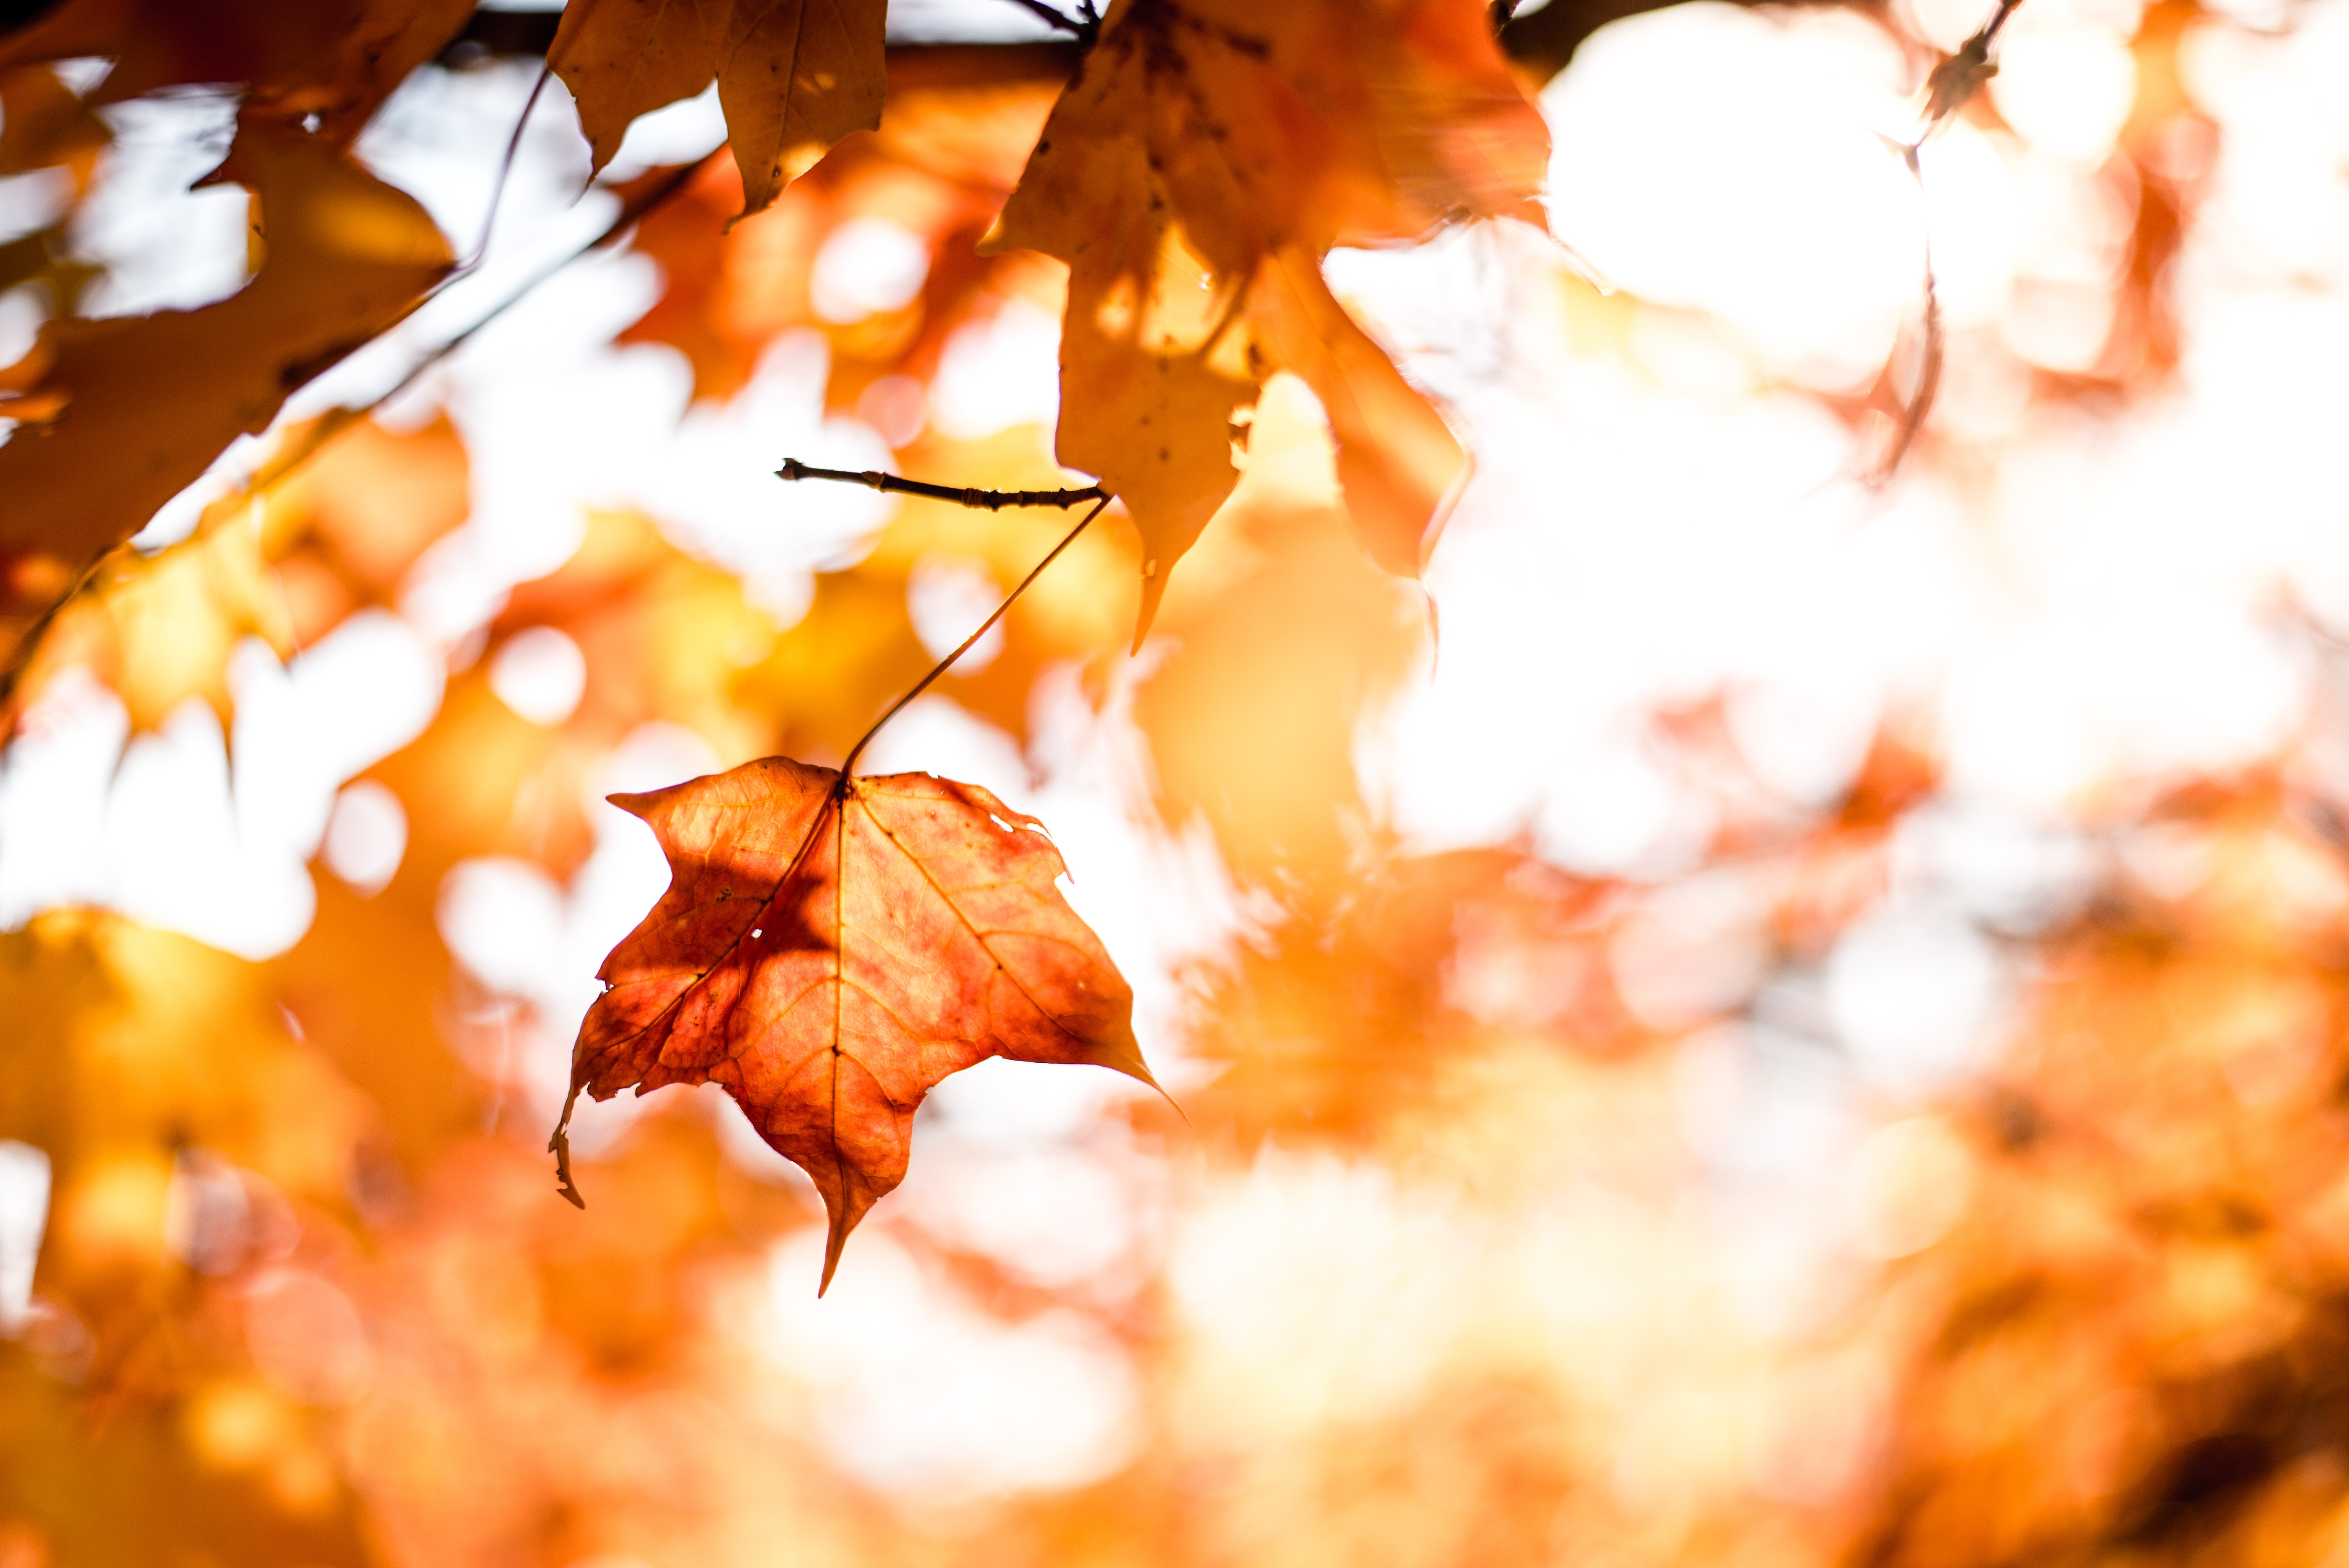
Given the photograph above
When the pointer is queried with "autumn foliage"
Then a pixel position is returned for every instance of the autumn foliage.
(393, 781)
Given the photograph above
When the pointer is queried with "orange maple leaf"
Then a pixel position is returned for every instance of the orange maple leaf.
(829, 949)
(793, 76)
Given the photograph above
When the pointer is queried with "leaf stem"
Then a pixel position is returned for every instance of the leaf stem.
(848, 768)
(1918, 405)
(559, 1145)
(505, 169)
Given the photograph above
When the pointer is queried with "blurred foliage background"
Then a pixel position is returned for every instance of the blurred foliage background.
(1763, 1019)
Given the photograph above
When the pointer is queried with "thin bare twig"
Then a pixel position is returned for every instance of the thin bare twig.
(631, 213)
(976, 499)
(506, 169)
(1957, 79)
(22, 659)
(1919, 403)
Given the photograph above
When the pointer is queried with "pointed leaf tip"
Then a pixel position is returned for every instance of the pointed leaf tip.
(835, 1244)
(636, 804)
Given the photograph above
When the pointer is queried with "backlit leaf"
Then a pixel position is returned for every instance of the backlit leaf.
(136, 407)
(829, 952)
(1398, 463)
(1204, 136)
(793, 76)
(337, 59)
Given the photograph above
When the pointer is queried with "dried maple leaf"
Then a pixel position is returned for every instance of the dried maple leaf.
(121, 415)
(830, 950)
(793, 76)
(1209, 140)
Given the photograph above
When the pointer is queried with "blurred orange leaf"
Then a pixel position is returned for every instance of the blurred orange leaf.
(829, 949)
(1398, 463)
(41, 122)
(138, 407)
(952, 138)
(1202, 137)
(335, 58)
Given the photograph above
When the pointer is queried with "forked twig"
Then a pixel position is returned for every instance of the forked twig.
(1084, 27)
(1948, 89)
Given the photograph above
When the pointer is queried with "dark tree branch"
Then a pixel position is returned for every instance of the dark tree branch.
(1541, 42)
(489, 35)
(493, 34)
(1084, 28)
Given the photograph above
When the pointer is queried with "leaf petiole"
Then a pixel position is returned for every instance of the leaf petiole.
(793, 471)
(849, 766)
